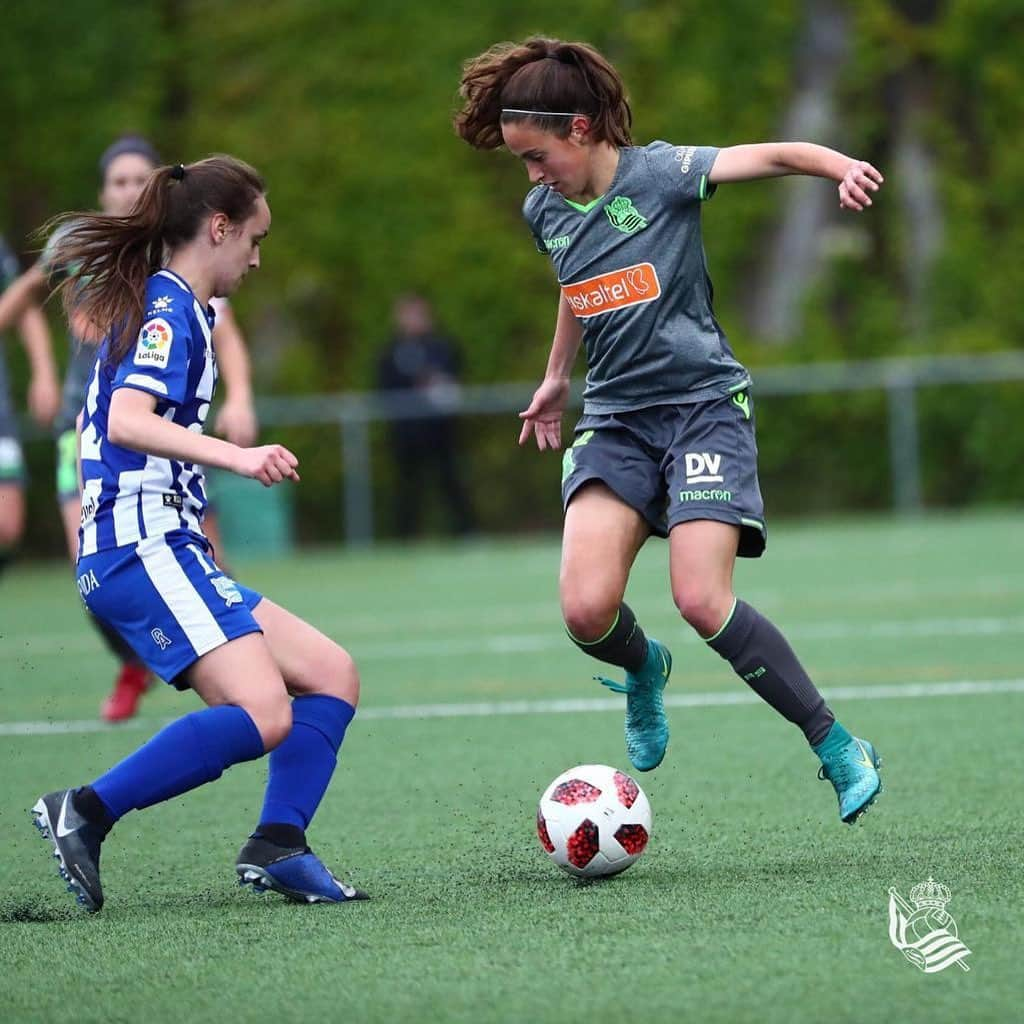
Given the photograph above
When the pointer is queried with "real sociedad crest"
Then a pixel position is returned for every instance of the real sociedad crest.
(925, 934)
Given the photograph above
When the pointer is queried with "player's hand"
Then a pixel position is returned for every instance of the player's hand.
(543, 416)
(860, 180)
(270, 464)
(236, 421)
(43, 398)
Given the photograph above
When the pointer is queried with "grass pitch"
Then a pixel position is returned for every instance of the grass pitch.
(752, 902)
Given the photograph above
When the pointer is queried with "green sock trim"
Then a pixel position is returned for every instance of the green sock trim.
(590, 643)
(728, 619)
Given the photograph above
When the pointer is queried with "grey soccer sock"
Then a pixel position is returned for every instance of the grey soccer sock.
(763, 659)
(624, 644)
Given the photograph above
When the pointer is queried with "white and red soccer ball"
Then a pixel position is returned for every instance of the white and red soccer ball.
(594, 820)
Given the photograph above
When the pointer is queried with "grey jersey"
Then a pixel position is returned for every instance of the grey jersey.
(9, 270)
(81, 359)
(81, 354)
(631, 266)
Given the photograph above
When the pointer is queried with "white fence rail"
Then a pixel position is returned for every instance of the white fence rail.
(352, 413)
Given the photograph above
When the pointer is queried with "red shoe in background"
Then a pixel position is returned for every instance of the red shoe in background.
(123, 702)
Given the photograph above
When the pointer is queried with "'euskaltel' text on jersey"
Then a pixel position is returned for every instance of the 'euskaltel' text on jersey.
(631, 267)
(128, 495)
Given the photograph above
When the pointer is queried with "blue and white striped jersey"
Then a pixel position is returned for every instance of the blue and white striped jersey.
(128, 495)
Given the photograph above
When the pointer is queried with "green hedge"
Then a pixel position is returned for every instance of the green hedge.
(347, 112)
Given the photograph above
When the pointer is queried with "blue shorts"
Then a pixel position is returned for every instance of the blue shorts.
(168, 600)
(676, 463)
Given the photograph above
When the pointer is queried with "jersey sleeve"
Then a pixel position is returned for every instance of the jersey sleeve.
(682, 172)
(158, 362)
(532, 215)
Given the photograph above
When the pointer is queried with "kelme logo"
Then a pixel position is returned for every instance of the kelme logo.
(625, 216)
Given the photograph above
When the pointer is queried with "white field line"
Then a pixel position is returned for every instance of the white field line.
(487, 709)
(41, 644)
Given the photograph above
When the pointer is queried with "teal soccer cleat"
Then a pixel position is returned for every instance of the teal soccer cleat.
(851, 765)
(646, 724)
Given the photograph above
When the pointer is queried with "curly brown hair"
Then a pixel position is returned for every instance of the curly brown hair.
(547, 78)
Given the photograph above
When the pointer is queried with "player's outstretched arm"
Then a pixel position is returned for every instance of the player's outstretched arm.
(25, 291)
(43, 387)
(543, 416)
(133, 423)
(857, 179)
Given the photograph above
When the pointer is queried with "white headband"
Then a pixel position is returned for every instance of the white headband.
(542, 113)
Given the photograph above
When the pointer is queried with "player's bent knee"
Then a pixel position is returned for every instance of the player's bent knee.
(274, 722)
(588, 620)
(12, 525)
(342, 677)
(702, 608)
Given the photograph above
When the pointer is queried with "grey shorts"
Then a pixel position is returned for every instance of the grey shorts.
(676, 463)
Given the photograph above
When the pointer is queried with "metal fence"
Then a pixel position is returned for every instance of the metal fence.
(353, 413)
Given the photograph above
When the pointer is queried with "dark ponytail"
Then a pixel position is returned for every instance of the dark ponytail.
(109, 259)
(546, 78)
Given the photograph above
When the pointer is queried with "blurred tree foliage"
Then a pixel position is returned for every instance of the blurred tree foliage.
(347, 109)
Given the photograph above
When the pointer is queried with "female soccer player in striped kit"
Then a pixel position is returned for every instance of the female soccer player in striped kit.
(273, 683)
(666, 443)
(124, 167)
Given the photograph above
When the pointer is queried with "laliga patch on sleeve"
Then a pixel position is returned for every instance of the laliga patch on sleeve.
(154, 345)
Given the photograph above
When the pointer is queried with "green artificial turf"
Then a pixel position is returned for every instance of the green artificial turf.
(752, 901)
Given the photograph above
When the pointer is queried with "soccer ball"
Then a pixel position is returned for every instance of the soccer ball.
(594, 821)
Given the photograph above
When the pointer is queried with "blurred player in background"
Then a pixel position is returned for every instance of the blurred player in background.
(420, 359)
(124, 167)
(43, 399)
(144, 565)
(666, 443)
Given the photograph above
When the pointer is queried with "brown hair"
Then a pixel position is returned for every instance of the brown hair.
(541, 75)
(111, 258)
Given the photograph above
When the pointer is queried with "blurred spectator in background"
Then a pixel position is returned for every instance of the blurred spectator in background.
(421, 360)
(43, 401)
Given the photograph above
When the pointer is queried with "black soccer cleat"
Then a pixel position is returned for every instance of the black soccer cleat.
(76, 845)
(295, 872)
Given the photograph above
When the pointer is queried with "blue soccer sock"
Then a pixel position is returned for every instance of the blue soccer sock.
(193, 750)
(302, 766)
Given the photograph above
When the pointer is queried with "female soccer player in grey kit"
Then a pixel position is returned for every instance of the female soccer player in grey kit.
(666, 442)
